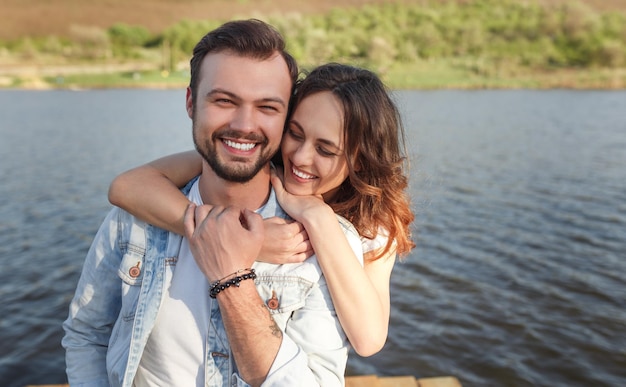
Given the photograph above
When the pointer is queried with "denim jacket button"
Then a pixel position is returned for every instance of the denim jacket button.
(134, 271)
(273, 303)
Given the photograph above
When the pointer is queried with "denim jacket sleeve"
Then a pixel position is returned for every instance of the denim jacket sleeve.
(94, 308)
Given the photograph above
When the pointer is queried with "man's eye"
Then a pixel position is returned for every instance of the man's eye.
(269, 107)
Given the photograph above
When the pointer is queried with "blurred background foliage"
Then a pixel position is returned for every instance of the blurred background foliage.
(484, 37)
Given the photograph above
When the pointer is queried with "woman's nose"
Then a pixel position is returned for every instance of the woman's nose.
(303, 155)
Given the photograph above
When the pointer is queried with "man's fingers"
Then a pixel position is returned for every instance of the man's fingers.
(251, 221)
(189, 220)
(202, 212)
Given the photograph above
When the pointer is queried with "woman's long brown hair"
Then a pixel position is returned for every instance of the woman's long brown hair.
(374, 194)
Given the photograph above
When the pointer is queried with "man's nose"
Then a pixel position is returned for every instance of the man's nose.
(243, 119)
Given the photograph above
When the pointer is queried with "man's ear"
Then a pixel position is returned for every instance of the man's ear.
(189, 103)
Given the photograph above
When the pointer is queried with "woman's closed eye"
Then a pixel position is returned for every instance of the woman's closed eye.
(295, 135)
(322, 148)
(325, 152)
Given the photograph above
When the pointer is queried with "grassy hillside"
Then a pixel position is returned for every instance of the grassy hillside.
(44, 17)
(411, 44)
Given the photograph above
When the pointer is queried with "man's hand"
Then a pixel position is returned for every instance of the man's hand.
(223, 239)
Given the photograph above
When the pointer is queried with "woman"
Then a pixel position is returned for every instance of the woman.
(341, 154)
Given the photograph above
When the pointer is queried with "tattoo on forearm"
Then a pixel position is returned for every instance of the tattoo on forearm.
(276, 330)
(273, 326)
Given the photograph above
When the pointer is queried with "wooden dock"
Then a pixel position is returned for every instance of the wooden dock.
(401, 381)
(372, 381)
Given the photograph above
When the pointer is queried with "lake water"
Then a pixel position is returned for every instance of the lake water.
(520, 200)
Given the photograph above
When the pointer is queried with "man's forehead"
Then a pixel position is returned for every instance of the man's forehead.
(229, 71)
(225, 61)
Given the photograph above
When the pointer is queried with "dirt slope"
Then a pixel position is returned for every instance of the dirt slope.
(44, 17)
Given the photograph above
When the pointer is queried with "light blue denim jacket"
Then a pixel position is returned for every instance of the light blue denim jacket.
(121, 288)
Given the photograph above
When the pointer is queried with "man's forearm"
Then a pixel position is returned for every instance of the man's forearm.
(254, 336)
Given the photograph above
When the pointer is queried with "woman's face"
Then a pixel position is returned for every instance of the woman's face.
(313, 147)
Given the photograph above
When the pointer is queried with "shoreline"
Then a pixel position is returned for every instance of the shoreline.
(425, 76)
(40, 84)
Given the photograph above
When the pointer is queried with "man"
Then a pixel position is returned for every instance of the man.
(146, 313)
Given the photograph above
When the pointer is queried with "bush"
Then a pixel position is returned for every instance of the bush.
(528, 34)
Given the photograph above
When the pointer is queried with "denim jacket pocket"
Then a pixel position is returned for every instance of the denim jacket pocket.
(131, 273)
(131, 269)
(283, 295)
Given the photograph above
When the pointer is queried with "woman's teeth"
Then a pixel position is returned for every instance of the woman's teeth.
(302, 175)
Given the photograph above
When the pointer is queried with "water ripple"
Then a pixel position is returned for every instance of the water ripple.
(520, 196)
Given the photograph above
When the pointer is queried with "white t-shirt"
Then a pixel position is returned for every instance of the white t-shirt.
(175, 351)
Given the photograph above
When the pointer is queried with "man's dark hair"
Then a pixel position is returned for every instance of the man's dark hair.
(250, 38)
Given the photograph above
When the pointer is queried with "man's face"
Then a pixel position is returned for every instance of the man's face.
(240, 111)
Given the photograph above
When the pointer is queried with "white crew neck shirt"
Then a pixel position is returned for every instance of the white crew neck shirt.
(175, 351)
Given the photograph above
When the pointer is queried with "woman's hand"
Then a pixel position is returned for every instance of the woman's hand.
(298, 207)
(286, 241)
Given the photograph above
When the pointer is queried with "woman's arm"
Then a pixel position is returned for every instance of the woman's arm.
(360, 295)
(151, 191)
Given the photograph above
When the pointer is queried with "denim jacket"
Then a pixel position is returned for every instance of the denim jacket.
(121, 288)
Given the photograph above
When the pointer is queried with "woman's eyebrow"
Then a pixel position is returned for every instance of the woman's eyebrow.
(322, 140)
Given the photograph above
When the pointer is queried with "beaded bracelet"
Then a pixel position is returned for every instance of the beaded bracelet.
(218, 286)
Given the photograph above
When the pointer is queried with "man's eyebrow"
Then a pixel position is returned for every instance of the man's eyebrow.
(221, 91)
(277, 100)
(234, 96)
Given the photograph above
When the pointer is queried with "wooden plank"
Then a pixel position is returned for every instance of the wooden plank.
(363, 381)
(398, 381)
(443, 381)
(370, 381)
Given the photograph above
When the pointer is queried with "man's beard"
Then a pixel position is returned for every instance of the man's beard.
(237, 170)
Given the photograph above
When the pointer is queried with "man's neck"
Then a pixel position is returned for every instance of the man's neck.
(251, 195)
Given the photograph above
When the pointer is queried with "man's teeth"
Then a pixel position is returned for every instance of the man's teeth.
(302, 175)
(238, 145)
